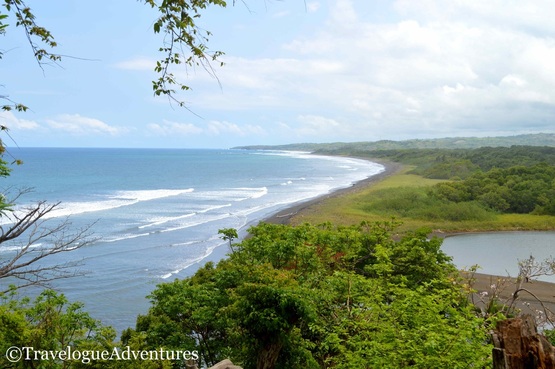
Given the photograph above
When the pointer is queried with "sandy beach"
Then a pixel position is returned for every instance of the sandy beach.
(537, 296)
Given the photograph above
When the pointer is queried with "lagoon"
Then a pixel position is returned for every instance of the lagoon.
(498, 253)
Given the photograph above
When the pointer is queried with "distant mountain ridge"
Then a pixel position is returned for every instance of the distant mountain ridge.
(537, 139)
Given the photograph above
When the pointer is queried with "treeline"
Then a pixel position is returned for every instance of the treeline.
(516, 189)
(480, 183)
(346, 148)
(517, 179)
(461, 163)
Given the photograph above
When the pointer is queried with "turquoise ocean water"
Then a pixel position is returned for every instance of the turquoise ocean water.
(156, 213)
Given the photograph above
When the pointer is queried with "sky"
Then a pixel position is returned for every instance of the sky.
(295, 71)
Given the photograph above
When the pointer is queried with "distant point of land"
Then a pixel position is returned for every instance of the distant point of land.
(338, 148)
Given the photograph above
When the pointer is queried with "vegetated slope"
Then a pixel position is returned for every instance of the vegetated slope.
(487, 188)
(344, 148)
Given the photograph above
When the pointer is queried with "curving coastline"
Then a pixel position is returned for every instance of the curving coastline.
(284, 216)
(528, 303)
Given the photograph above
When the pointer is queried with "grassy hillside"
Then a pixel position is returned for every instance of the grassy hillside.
(342, 148)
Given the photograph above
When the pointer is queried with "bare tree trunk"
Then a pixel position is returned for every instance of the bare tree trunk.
(518, 345)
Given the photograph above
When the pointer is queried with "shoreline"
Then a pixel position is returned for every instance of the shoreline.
(534, 297)
(544, 291)
(284, 216)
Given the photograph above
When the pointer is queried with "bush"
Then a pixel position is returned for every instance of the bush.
(456, 212)
(401, 201)
(418, 203)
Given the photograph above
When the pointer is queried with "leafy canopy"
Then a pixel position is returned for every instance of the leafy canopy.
(322, 297)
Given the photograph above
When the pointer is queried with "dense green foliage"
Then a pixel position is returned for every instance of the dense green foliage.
(516, 189)
(459, 163)
(422, 203)
(322, 297)
(47, 323)
(38, 333)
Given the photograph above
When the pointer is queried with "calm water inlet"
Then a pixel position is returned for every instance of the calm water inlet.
(498, 253)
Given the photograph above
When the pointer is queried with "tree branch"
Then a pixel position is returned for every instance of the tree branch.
(38, 240)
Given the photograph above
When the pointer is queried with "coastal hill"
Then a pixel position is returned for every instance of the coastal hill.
(538, 139)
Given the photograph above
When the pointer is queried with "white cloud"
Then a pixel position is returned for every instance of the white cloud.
(167, 128)
(281, 14)
(418, 68)
(223, 127)
(343, 12)
(211, 128)
(9, 120)
(529, 16)
(73, 124)
(76, 124)
(315, 125)
(462, 66)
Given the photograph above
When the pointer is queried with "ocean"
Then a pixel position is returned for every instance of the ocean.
(156, 212)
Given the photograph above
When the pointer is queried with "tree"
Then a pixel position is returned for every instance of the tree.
(229, 234)
(28, 238)
(32, 239)
(184, 42)
(322, 297)
(40, 39)
(50, 332)
(49, 322)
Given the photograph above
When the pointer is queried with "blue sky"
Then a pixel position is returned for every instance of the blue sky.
(295, 71)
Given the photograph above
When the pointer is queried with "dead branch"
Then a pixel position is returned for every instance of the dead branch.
(30, 238)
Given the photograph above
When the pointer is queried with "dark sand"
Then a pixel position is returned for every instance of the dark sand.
(535, 297)
(528, 302)
(284, 216)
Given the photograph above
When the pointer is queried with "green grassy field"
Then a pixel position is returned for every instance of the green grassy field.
(405, 197)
